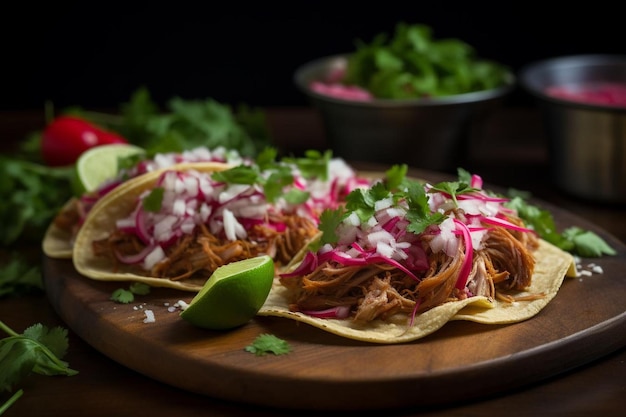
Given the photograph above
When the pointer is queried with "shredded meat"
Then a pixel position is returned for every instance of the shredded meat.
(509, 254)
(505, 263)
(200, 253)
(70, 217)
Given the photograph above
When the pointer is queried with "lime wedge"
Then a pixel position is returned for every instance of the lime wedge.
(232, 295)
(100, 163)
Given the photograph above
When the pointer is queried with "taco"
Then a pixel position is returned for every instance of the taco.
(58, 241)
(174, 227)
(404, 257)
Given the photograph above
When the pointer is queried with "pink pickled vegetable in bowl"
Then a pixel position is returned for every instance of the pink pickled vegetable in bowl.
(582, 101)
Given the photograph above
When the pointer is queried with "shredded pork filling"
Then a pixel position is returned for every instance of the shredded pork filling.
(200, 253)
(379, 291)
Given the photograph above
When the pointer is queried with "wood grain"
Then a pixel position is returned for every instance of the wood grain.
(462, 361)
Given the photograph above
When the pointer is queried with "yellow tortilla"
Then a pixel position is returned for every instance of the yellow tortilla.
(102, 218)
(57, 243)
(552, 265)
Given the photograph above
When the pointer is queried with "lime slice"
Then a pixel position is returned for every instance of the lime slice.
(100, 163)
(232, 295)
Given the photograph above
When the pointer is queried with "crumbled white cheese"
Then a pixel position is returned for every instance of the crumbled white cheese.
(587, 270)
(149, 316)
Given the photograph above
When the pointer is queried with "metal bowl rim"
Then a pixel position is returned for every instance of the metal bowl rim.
(529, 71)
(301, 80)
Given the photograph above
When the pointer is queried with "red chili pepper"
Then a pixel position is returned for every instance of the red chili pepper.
(66, 137)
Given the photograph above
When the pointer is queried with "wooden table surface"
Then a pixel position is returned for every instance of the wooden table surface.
(509, 151)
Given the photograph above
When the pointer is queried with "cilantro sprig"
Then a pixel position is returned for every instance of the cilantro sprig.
(573, 239)
(397, 186)
(276, 175)
(33, 193)
(37, 350)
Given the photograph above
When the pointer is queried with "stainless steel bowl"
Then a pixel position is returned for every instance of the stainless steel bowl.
(586, 142)
(424, 133)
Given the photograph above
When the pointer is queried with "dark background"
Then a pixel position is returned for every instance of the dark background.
(95, 54)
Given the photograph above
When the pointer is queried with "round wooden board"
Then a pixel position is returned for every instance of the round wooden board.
(461, 361)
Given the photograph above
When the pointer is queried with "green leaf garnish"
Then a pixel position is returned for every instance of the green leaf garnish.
(267, 343)
(37, 350)
(122, 296)
(455, 188)
(411, 63)
(587, 243)
(419, 213)
(314, 164)
(154, 200)
(139, 288)
(574, 239)
(241, 174)
(329, 221)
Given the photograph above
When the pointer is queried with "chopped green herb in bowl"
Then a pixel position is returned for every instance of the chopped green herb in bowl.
(405, 98)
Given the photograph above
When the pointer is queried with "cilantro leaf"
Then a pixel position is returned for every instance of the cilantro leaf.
(587, 243)
(278, 179)
(267, 343)
(139, 288)
(453, 188)
(38, 350)
(28, 206)
(122, 296)
(395, 176)
(266, 159)
(154, 200)
(186, 124)
(314, 164)
(19, 276)
(574, 239)
(419, 213)
(125, 296)
(241, 174)
(329, 221)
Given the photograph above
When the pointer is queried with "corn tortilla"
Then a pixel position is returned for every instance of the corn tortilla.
(102, 218)
(552, 266)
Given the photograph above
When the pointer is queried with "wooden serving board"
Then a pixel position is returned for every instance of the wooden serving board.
(461, 361)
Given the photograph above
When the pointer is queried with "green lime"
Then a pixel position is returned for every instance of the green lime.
(100, 163)
(232, 295)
